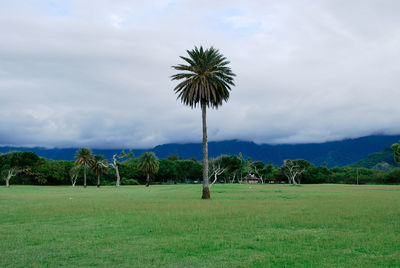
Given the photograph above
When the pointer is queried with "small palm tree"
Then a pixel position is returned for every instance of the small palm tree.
(206, 81)
(148, 163)
(99, 167)
(84, 158)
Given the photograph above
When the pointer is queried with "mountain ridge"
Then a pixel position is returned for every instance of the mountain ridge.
(334, 153)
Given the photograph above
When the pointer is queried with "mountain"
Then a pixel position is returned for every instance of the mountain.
(335, 153)
(382, 160)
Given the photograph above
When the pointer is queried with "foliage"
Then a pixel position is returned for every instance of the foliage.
(188, 170)
(167, 171)
(393, 176)
(148, 163)
(206, 79)
(232, 164)
(128, 169)
(31, 169)
(55, 172)
(99, 165)
(396, 152)
(23, 163)
(293, 169)
(84, 157)
(19, 159)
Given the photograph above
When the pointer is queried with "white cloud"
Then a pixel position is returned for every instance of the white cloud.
(116, 21)
(97, 75)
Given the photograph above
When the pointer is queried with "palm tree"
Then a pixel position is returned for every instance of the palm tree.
(207, 80)
(84, 158)
(148, 163)
(99, 167)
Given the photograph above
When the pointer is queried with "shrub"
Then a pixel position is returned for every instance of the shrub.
(393, 176)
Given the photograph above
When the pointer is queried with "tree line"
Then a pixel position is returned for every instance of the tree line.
(126, 169)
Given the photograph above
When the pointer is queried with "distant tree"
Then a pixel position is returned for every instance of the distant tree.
(315, 174)
(53, 172)
(396, 152)
(259, 170)
(269, 171)
(148, 163)
(246, 169)
(116, 160)
(129, 170)
(167, 170)
(233, 166)
(392, 176)
(18, 163)
(174, 156)
(99, 167)
(11, 172)
(188, 170)
(206, 81)
(74, 173)
(242, 161)
(84, 157)
(215, 169)
(292, 169)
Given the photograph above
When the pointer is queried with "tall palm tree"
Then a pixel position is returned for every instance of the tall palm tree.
(99, 167)
(148, 163)
(206, 81)
(84, 158)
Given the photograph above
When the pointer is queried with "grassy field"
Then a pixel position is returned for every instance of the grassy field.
(169, 226)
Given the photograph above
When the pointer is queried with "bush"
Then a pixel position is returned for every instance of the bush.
(393, 176)
(129, 182)
(106, 182)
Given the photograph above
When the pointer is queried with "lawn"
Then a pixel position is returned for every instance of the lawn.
(169, 226)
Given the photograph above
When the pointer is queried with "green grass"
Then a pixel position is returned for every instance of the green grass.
(169, 226)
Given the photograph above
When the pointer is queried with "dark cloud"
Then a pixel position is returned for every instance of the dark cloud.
(97, 74)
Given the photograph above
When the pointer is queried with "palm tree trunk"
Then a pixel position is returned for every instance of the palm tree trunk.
(206, 188)
(98, 180)
(148, 180)
(84, 176)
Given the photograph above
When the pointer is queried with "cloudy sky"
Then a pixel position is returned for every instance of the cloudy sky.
(97, 73)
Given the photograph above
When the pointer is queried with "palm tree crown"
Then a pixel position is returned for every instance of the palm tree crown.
(148, 163)
(84, 157)
(206, 79)
(99, 165)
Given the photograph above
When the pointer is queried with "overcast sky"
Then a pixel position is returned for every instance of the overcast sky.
(97, 73)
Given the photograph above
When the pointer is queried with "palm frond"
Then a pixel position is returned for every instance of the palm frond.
(207, 79)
